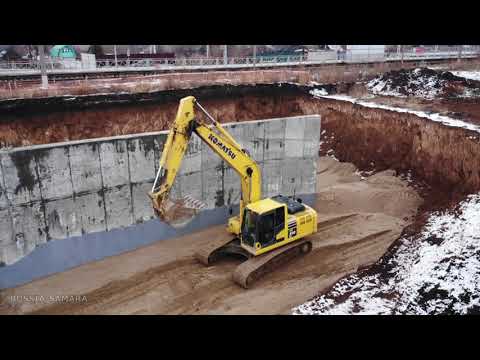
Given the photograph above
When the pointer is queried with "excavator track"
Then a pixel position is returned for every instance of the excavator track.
(254, 268)
(212, 251)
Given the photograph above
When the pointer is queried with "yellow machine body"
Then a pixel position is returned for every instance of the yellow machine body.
(294, 227)
(287, 224)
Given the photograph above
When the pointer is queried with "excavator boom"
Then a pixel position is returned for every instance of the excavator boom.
(221, 142)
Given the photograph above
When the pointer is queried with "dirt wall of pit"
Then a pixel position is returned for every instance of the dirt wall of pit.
(65, 204)
(446, 158)
(42, 121)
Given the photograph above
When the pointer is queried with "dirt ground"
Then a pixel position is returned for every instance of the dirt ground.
(358, 220)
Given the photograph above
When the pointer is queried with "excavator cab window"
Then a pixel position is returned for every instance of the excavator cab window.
(270, 224)
(249, 227)
(266, 224)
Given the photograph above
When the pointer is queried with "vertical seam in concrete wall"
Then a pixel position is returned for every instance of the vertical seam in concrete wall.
(7, 199)
(71, 181)
(103, 186)
(42, 200)
(132, 212)
(263, 141)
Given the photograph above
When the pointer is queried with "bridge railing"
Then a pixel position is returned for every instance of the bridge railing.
(362, 56)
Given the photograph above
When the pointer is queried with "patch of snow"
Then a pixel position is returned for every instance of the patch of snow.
(318, 92)
(445, 120)
(411, 83)
(331, 153)
(422, 83)
(437, 273)
(472, 75)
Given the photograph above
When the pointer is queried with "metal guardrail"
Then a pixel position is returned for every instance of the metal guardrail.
(132, 64)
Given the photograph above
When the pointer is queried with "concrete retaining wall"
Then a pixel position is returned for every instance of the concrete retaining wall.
(66, 204)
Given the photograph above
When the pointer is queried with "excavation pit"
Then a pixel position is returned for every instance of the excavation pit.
(372, 206)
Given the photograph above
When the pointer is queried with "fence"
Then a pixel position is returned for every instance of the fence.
(325, 57)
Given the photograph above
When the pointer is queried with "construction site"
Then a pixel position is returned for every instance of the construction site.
(141, 194)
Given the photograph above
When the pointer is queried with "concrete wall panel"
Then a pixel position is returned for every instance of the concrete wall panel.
(272, 170)
(3, 194)
(6, 232)
(141, 152)
(274, 148)
(311, 140)
(68, 190)
(20, 177)
(54, 172)
(62, 219)
(114, 163)
(142, 206)
(231, 186)
(90, 211)
(253, 139)
(28, 225)
(118, 207)
(190, 184)
(85, 167)
(213, 187)
(192, 162)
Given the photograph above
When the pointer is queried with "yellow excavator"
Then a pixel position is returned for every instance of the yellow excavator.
(266, 233)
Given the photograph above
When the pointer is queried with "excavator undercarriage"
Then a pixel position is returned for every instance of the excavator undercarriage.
(254, 267)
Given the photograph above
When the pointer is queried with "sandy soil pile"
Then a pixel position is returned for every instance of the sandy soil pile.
(423, 83)
(358, 220)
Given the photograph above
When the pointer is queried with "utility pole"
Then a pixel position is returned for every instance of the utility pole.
(460, 52)
(43, 71)
(225, 55)
(254, 55)
(115, 54)
(208, 51)
(401, 52)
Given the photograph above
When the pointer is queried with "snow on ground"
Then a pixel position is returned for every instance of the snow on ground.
(445, 120)
(438, 273)
(319, 92)
(425, 83)
(472, 75)
(418, 85)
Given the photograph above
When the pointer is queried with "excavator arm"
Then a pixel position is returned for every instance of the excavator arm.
(221, 142)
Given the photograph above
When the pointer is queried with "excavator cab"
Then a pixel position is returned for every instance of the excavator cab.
(273, 222)
(263, 226)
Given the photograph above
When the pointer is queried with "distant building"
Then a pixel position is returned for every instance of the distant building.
(8, 53)
(63, 52)
(365, 52)
(65, 56)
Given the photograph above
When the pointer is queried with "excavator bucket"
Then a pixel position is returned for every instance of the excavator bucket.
(178, 213)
